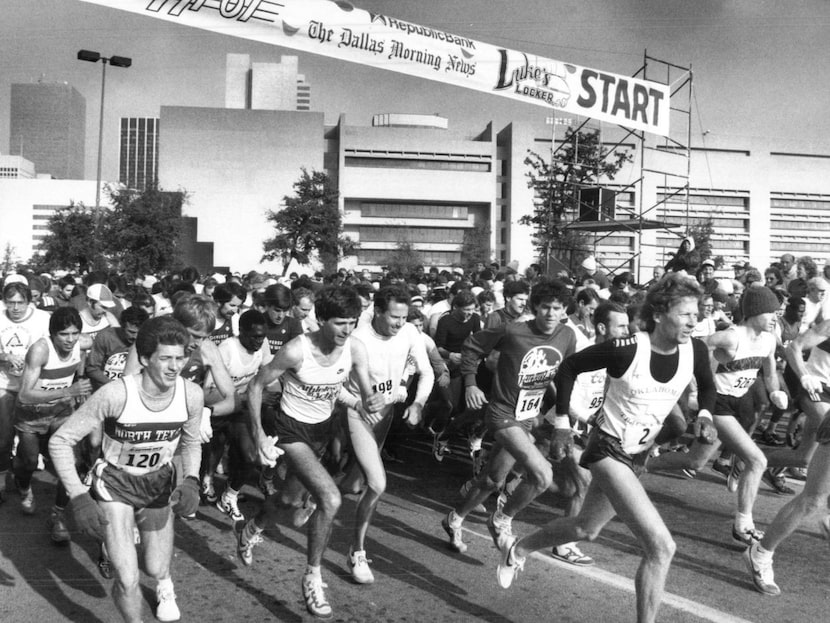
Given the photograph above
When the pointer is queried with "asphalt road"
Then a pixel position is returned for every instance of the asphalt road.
(417, 577)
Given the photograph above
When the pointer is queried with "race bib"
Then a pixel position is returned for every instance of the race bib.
(147, 458)
(638, 437)
(529, 403)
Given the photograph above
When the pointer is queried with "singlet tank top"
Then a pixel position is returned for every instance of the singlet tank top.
(309, 393)
(58, 373)
(636, 404)
(735, 377)
(818, 363)
(141, 440)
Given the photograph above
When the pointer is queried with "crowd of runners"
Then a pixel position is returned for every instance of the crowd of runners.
(149, 396)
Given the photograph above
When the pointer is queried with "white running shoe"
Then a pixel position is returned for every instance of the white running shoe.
(246, 538)
(167, 609)
(359, 566)
(315, 596)
(455, 533)
(229, 505)
(510, 564)
(27, 501)
(762, 575)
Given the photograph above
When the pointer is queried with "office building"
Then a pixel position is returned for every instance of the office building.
(265, 86)
(139, 153)
(48, 128)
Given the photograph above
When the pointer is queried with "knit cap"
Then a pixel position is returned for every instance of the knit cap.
(758, 300)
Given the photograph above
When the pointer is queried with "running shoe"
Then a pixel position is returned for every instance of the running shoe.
(358, 564)
(748, 536)
(769, 438)
(456, 543)
(510, 564)
(440, 447)
(572, 555)
(500, 531)
(721, 467)
(465, 489)
(763, 576)
(228, 504)
(735, 472)
(104, 563)
(208, 492)
(775, 480)
(304, 513)
(247, 536)
(27, 501)
(689, 473)
(57, 527)
(266, 485)
(167, 609)
(797, 473)
(501, 500)
(315, 596)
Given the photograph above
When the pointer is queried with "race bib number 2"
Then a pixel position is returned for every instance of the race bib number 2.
(637, 437)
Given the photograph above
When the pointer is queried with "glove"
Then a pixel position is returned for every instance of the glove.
(269, 452)
(185, 497)
(89, 517)
(205, 428)
(705, 431)
(779, 399)
(561, 443)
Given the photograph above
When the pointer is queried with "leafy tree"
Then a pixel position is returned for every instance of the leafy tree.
(72, 240)
(309, 222)
(582, 161)
(476, 246)
(143, 229)
(404, 259)
(8, 262)
(701, 232)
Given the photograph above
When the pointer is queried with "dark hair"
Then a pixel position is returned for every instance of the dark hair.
(463, 299)
(337, 302)
(459, 286)
(196, 312)
(586, 296)
(415, 314)
(141, 298)
(389, 294)
(224, 292)
(278, 296)
(251, 318)
(190, 274)
(10, 289)
(665, 293)
(63, 318)
(485, 296)
(549, 290)
(66, 280)
(364, 289)
(164, 330)
(604, 310)
(134, 315)
(512, 288)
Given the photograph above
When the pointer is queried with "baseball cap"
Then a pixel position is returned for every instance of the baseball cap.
(708, 262)
(101, 293)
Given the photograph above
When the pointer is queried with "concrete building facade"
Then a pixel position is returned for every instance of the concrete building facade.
(48, 127)
(265, 86)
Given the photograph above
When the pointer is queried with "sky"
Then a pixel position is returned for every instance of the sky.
(760, 66)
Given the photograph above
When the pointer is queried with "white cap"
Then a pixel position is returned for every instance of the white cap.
(101, 293)
(589, 264)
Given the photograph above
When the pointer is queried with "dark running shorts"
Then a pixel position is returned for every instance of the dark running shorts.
(110, 484)
(601, 445)
(315, 436)
(496, 422)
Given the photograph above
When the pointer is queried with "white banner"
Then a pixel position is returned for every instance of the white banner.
(339, 30)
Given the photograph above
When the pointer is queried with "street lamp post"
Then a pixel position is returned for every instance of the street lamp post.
(115, 61)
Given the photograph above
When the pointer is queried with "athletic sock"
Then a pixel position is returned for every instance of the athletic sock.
(455, 519)
(165, 584)
(312, 571)
(744, 522)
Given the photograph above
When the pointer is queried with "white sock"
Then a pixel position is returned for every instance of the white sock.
(231, 493)
(500, 517)
(455, 519)
(744, 522)
(764, 555)
(165, 584)
(312, 571)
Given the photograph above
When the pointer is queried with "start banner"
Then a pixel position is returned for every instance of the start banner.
(337, 29)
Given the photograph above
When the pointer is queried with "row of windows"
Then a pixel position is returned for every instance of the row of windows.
(799, 204)
(442, 235)
(407, 163)
(438, 258)
(414, 210)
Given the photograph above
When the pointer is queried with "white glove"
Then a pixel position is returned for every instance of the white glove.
(205, 429)
(269, 452)
(779, 399)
